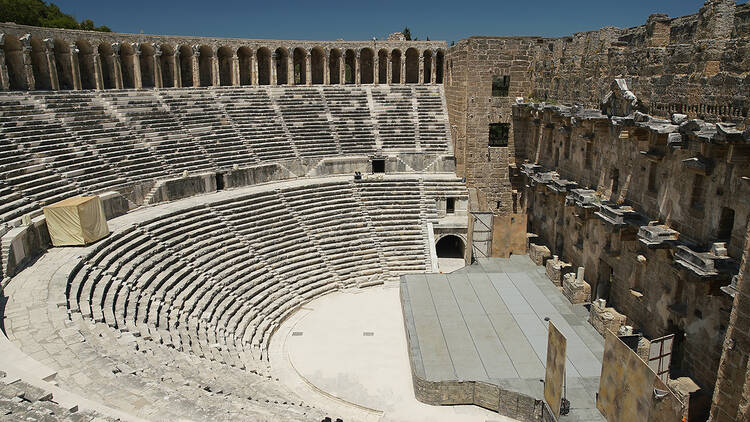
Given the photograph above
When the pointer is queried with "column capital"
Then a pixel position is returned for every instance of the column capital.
(73, 49)
(116, 48)
(196, 50)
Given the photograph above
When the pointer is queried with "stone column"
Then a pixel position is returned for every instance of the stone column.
(376, 69)
(49, 54)
(28, 67)
(235, 70)
(290, 69)
(402, 75)
(117, 65)
(215, 77)
(196, 68)
(389, 68)
(98, 78)
(75, 70)
(177, 74)
(342, 70)
(4, 84)
(254, 68)
(420, 66)
(137, 78)
(357, 69)
(308, 69)
(274, 79)
(433, 68)
(158, 83)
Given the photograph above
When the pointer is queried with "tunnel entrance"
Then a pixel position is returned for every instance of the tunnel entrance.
(450, 253)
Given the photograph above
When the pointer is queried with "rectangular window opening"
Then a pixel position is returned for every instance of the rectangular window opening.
(499, 133)
(450, 206)
(378, 165)
(500, 86)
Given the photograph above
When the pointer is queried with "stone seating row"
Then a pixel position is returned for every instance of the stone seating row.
(56, 145)
(216, 280)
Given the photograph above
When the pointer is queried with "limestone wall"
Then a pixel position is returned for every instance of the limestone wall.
(694, 65)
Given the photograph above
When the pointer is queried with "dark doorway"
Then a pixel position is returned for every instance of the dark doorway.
(450, 246)
(726, 224)
(450, 205)
(604, 280)
(378, 165)
(219, 181)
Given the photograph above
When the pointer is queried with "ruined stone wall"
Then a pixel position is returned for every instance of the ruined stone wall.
(472, 64)
(732, 394)
(632, 167)
(695, 65)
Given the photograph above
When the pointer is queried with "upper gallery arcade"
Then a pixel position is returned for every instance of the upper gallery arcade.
(33, 58)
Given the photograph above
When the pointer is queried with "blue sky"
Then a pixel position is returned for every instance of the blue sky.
(358, 20)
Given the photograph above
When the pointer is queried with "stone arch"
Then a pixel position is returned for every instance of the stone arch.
(109, 76)
(186, 66)
(14, 61)
(334, 66)
(245, 60)
(86, 64)
(383, 66)
(40, 66)
(264, 66)
(317, 63)
(63, 64)
(206, 65)
(427, 66)
(412, 66)
(224, 55)
(366, 66)
(450, 246)
(167, 64)
(300, 69)
(439, 67)
(282, 66)
(146, 63)
(127, 61)
(396, 66)
(350, 67)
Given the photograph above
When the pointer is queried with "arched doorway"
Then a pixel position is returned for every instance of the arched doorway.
(282, 66)
(166, 63)
(383, 67)
(427, 66)
(148, 73)
(317, 64)
(106, 55)
(334, 66)
(439, 66)
(245, 58)
(366, 66)
(186, 66)
(62, 64)
(450, 252)
(42, 78)
(300, 69)
(264, 66)
(205, 65)
(14, 63)
(350, 67)
(412, 66)
(86, 64)
(396, 67)
(224, 55)
(127, 65)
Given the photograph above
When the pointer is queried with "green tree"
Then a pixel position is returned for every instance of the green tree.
(407, 33)
(39, 13)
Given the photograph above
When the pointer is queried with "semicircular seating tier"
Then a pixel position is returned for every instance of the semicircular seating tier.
(54, 145)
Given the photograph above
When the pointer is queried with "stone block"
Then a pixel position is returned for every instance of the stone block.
(539, 254)
(575, 288)
(604, 318)
(556, 269)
